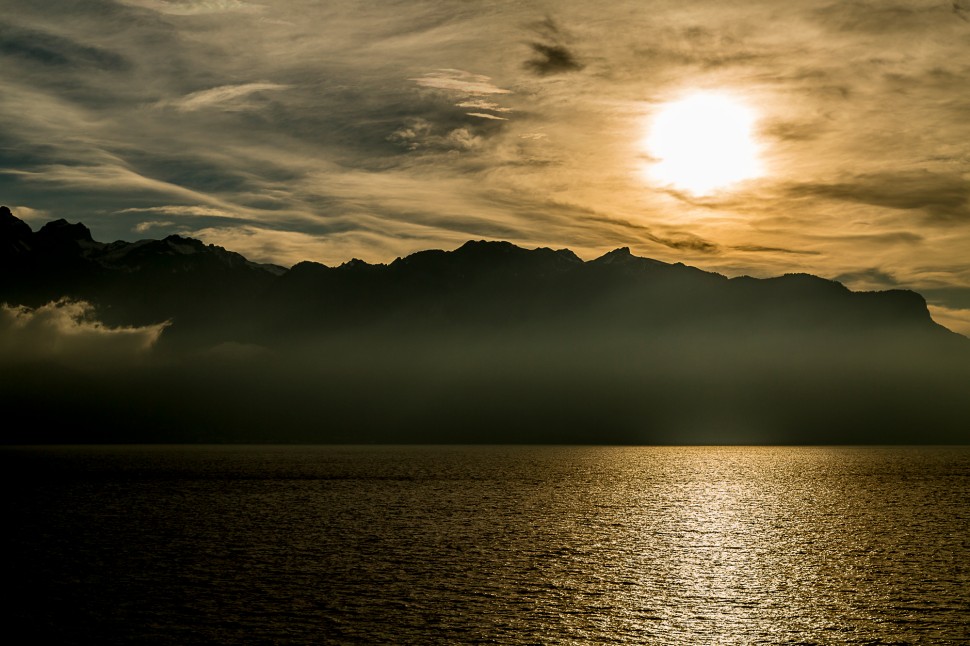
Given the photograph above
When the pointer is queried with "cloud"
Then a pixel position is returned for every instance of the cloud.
(414, 134)
(182, 210)
(552, 59)
(68, 332)
(29, 215)
(101, 177)
(421, 134)
(955, 297)
(465, 139)
(148, 225)
(44, 48)
(459, 81)
(955, 319)
(193, 7)
(962, 12)
(869, 279)
(224, 97)
(363, 127)
(482, 115)
(794, 131)
(685, 241)
(941, 197)
(552, 56)
(470, 88)
(882, 17)
(261, 244)
(483, 105)
(753, 248)
(287, 248)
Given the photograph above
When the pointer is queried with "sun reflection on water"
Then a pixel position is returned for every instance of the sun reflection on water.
(512, 545)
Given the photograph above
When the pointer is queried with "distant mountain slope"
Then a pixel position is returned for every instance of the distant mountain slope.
(480, 283)
(489, 342)
(132, 283)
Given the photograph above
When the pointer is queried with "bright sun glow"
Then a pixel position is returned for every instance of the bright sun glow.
(703, 143)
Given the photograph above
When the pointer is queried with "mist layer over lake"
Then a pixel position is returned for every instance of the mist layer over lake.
(511, 545)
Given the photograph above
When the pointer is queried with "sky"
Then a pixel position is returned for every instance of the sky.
(333, 130)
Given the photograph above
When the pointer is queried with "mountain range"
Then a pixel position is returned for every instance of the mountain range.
(489, 342)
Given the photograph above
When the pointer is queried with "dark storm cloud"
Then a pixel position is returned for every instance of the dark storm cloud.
(962, 12)
(552, 59)
(551, 55)
(941, 198)
(48, 49)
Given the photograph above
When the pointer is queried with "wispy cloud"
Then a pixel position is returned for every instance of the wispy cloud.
(192, 7)
(179, 210)
(483, 115)
(101, 177)
(224, 97)
(459, 81)
(24, 44)
(148, 225)
(469, 89)
(940, 197)
(483, 105)
(754, 248)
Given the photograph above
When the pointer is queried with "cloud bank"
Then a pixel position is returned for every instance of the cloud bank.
(68, 332)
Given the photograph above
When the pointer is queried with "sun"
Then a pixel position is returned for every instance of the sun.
(703, 143)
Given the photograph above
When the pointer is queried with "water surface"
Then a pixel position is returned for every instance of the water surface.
(510, 545)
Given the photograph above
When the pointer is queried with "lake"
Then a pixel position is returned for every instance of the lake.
(488, 544)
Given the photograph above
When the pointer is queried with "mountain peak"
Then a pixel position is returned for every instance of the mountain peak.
(60, 231)
(356, 263)
(487, 246)
(11, 225)
(182, 245)
(619, 255)
(623, 256)
(15, 234)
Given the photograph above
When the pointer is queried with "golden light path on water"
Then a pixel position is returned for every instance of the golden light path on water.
(493, 545)
(703, 142)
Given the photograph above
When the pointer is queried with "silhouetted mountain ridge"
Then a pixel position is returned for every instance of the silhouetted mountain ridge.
(489, 342)
(481, 284)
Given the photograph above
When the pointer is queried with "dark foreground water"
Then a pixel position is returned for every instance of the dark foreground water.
(511, 545)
